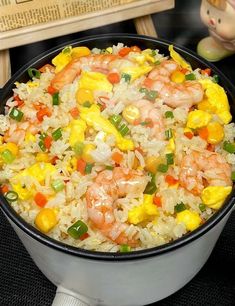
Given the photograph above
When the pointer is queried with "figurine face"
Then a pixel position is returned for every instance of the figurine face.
(218, 20)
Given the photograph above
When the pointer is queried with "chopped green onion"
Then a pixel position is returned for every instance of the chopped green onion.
(7, 156)
(87, 104)
(67, 50)
(34, 73)
(126, 77)
(202, 207)
(123, 129)
(16, 114)
(154, 53)
(55, 99)
(170, 158)
(157, 63)
(190, 77)
(115, 120)
(57, 185)
(151, 186)
(125, 248)
(57, 134)
(144, 123)
(169, 114)
(42, 145)
(143, 90)
(180, 207)
(43, 136)
(88, 168)
(109, 167)
(229, 147)
(78, 229)
(168, 134)
(149, 94)
(11, 196)
(105, 51)
(162, 168)
(78, 148)
(233, 176)
(215, 78)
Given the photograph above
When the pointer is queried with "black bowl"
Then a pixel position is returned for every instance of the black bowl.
(104, 41)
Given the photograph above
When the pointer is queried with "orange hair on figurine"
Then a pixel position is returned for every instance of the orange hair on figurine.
(219, 17)
(220, 4)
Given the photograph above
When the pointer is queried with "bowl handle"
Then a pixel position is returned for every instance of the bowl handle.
(65, 297)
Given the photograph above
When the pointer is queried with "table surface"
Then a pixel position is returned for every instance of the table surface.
(21, 283)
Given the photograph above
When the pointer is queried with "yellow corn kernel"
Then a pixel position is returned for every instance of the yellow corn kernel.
(29, 137)
(197, 119)
(214, 196)
(42, 157)
(45, 220)
(177, 77)
(151, 163)
(1, 140)
(80, 51)
(86, 154)
(215, 132)
(131, 113)
(84, 95)
(190, 219)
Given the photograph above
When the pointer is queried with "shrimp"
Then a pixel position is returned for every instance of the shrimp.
(17, 134)
(97, 62)
(101, 197)
(199, 170)
(149, 110)
(174, 95)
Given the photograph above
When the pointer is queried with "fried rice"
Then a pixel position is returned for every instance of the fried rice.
(63, 141)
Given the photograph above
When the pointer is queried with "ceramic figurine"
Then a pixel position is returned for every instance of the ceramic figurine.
(219, 17)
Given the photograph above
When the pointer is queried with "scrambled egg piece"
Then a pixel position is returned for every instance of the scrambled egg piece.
(190, 219)
(145, 56)
(77, 131)
(136, 71)
(29, 137)
(215, 101)
(214, 196)
(179, 59)
(38, 171)
(197, 119)
(95, 81)
(143, 212)
(93, 118)
(67, 54)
